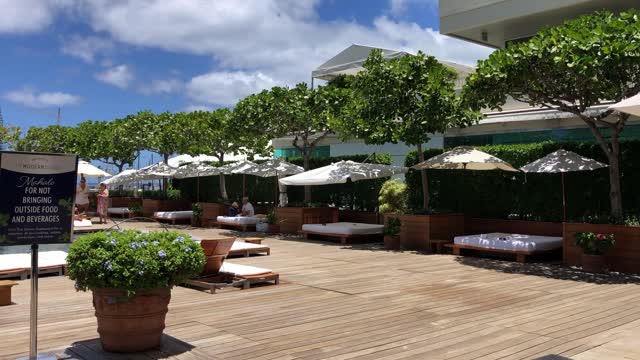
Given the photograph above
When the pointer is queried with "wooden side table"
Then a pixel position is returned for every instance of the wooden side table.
(254, 240)
(5, 291)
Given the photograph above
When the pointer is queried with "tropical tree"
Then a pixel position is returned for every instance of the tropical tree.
(9, 135)
(54, 138)
(116, 142)
(571, 68)
(302, 113)
(406, 100)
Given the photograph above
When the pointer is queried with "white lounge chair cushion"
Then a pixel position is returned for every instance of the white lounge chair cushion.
(241, 245)
(238, 220)
(23, 260)
(243, 270)
(345, 228)
(510, 242)
(82, 223)
(118, 210)
(173, 214)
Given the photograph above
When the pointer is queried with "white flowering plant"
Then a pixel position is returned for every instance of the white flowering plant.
(133, 261)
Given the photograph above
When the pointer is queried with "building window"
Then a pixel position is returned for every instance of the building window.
(318, 152)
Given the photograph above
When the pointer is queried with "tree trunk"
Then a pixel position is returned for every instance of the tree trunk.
(165, 181)
(615, 193)
(425, 180)
(306, 154)
(223, 186)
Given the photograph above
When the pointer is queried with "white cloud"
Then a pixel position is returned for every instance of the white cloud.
(86, 48)
(119, 76)
(226, 88)
(194, 107)
(23, 16)
(400, 7)
(162, 86)
(30, 98)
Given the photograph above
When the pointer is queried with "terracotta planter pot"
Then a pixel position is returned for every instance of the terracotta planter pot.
(273, 229)
(593, 263)
(130, 324)
(392, 242)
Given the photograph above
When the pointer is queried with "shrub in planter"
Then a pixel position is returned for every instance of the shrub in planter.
(272, 221)
(594, 246)
(131, 275)
(392, 234)
(392, 197)
(136, 209)
(197, 214)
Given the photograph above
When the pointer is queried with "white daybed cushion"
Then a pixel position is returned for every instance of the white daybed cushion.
(118, 210)
(82, 223)
(241, 245)
(510, 242)
(174, 214)
(243, 270)
(23, 261)
(345, 228)
(238, 220)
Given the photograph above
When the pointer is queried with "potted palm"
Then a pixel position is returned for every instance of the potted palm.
(196, 215)
(594, 246)
(131, 275)
(392, 234)
(273, 224)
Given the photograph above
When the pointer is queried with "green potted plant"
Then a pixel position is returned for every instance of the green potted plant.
(131, 275)
(392, 234)
(135, 210)
(594, 246)
(196, 214)
(272, 221)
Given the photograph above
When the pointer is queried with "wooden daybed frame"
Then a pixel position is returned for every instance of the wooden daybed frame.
(242, 227)
(521, 255)
(172, 221)
(343, 237)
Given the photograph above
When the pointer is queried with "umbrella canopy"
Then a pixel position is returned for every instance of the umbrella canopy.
(340, 172)
(126, 176)
(275, 167)
(562, 161)
(155, 171)
(466, 158)
(630, 105)
(240, 167)
(187, 159)
(87, 170)
(196, 169)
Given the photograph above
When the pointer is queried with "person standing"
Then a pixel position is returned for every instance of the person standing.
(82, 196)
(247, 208)
(103, 203)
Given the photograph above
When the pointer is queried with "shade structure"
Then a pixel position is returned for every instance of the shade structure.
(196, 169)
(341, 172)
(562, 161)
(465, 158)
(277, 168)
(240, 167)
(124, 177)
(630, 105)
(87, 170)
(156, 171)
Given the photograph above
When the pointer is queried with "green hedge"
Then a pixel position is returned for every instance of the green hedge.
(500, 194)
(362, 195)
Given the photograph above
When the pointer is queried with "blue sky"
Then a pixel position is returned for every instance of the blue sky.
(103, 59)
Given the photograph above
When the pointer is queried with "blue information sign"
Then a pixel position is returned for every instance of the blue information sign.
(37, 193)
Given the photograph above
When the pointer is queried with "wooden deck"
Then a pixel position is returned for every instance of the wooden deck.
(360, 302)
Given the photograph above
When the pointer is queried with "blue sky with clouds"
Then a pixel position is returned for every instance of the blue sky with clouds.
(103, 59)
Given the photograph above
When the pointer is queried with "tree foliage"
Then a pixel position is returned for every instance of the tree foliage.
(54, 138)
(571, 68)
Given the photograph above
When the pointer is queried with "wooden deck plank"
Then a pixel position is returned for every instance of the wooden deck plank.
(361, 302)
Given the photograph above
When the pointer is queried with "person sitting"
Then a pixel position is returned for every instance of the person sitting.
(247, 208)
(234, 210)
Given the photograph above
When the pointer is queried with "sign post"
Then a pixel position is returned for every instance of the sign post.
(36, 207)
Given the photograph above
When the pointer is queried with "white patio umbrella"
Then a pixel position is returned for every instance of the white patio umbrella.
(124, 177)
(629, 105)
(562, 161)
(276, 168)
(241, 167)
(465, 158)
(196, 169)
(87, 170)
(340, 172)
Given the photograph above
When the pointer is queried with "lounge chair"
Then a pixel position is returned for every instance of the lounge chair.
(520, 245)
(252, 274)
(240, 222)
(241, 248)
(122, 212)
(19, 265)
(173, 216)
(344, 231)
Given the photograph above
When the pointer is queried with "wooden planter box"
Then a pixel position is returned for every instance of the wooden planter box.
(484, 226)
(291, 219)
(124, 202)
(363, 217)
(150, 206)
(210, 213)
(623, 257)
(416, 231)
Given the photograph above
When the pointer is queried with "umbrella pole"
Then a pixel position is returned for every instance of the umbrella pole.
(564, 202)
(275, 201)
(243, 185)
(198, 191)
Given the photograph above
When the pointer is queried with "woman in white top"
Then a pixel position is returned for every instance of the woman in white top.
(82, 196)
(247, 208)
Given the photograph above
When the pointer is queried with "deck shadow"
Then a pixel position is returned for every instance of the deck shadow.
(91, 349)
(549, 270)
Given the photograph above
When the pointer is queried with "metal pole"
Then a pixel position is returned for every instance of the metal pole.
(33, 344)
(564, 202)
